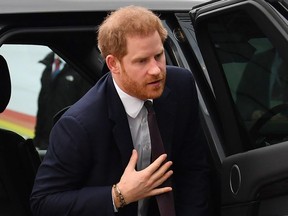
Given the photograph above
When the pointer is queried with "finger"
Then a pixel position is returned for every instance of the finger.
(161, 171)
(133, 160)
(162, 179)
(156, 164)
(158, 191)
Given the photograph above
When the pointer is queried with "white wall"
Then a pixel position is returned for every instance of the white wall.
(25, 71)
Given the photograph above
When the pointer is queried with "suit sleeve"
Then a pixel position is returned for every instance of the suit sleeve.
(58, 186)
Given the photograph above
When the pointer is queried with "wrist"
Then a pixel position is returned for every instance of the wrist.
(116, 201)
(118, 197)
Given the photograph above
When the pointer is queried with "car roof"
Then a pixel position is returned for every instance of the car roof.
(39, 6)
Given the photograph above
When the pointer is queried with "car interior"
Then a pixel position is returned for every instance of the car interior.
(19, 160)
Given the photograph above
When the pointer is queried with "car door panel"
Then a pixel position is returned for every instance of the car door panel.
(231, 35)
(256, 179)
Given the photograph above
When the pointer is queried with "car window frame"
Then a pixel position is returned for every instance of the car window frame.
(272, 25)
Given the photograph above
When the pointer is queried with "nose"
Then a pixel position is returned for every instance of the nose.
(154, 68)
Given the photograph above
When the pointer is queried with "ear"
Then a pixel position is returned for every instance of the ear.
(113, 64)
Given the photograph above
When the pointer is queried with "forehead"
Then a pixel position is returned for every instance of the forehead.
(144, 44)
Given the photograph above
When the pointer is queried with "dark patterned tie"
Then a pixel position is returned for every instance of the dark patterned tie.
(165, 201)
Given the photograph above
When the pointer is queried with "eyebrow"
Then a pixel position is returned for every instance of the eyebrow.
(161, 52)
(146, 57)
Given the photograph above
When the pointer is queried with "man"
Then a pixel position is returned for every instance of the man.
(61, 86)
(89, 169)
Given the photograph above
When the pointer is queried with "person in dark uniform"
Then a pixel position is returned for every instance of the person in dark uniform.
(61, 86)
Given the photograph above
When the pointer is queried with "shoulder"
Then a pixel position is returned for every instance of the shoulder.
(93, 102)
(179, 77)
(174, 69)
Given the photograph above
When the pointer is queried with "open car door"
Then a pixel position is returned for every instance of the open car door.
(244, 45)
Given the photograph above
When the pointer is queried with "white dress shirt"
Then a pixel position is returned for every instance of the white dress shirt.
(137, 118)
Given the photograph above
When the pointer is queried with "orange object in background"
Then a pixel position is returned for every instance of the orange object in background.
(20, 123)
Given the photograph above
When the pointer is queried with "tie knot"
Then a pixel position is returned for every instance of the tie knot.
(149, 106)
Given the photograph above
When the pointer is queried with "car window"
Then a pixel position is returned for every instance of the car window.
(40, 89)
(256, 74)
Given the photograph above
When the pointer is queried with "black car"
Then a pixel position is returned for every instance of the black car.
(237, 51)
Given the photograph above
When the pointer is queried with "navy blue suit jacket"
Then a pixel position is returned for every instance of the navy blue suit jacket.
(91, 145)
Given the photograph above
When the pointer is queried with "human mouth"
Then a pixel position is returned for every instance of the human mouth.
(156, 83)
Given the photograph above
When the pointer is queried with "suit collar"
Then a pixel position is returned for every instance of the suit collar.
(118, 116)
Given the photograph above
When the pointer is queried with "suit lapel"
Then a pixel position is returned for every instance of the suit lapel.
(121, 130)
(165, 108)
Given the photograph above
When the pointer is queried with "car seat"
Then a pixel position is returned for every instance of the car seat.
(19, 160)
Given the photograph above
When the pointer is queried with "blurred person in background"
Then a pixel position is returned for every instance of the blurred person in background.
(61, 86)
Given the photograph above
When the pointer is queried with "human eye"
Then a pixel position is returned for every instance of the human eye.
(142, 60)
(158, 56)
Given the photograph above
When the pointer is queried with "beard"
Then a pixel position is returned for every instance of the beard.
(150, 88)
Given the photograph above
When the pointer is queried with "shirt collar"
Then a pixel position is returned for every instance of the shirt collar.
(131, 104)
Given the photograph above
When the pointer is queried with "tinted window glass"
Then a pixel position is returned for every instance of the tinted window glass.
(256, 75)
